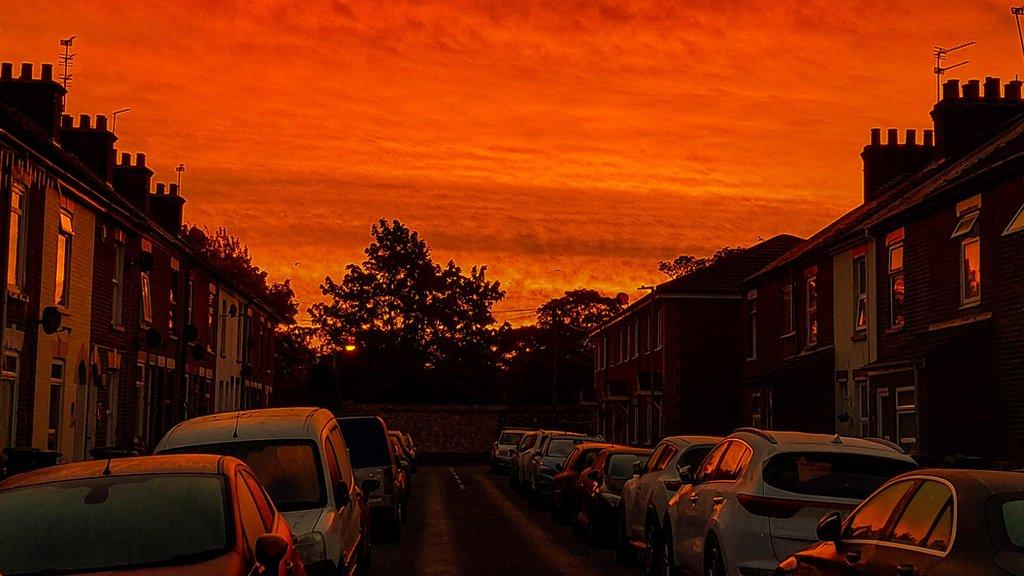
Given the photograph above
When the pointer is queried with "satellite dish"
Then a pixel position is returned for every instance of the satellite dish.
(198, 352)
(51, 320)
(146, 261)
(190, 333)
(622, 298)
(153, 338)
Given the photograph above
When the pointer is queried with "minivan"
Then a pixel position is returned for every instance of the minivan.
(376, 471)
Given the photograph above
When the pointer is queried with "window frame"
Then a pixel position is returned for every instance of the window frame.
(117, 283)
(971, 239)
(897, 511)
(905, 409)
(65, 240)
(860, 293)
(751, 353)
(16, 251)
(55, 420)
(788, 324)
(811, 312)
(894, 274)
(11, 376)
(146, 295)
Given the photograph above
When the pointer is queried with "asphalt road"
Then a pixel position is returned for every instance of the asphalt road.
(464, 521)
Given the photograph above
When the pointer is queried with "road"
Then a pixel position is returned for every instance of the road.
(464, 521)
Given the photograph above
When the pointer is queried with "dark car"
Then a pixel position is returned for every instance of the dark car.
(403, 470)
(929, 523)
(599, 491)
(549, 459)
(563, 505)
(408, 448)
(376, 471)
(152, 516)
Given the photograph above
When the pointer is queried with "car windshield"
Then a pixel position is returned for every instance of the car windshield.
(620, 466)
(560, 448)
(367, 442)
(289, 469)
(1013, 520)
(510, 438)
(114, 522)
(832, 474)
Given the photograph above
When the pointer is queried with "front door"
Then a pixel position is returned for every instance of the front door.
(893, 414)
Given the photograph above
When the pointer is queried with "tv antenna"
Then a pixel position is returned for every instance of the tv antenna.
(1017, 12)
(180, 169)
(940, 70)
(67, 60)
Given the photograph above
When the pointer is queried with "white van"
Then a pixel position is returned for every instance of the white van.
(301, 459)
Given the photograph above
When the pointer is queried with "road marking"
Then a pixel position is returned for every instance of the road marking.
(457, 479)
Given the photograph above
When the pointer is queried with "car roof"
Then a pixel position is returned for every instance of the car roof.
(986, 481)
(248, 425)
(514, 429)
(163, 464)
(788, 441)
(684, 441)
(623, 449)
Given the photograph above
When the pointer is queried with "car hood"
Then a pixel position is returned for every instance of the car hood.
(303, 521)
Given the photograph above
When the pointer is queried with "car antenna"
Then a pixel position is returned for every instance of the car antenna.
(238, 415)
(106, 470)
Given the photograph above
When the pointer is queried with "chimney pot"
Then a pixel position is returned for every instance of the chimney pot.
(876, 136)
(101, 122)
(160, 186)
(893, 136)
(911, 137)
(951, 89)
(6, 71)
(26, 71)
(1012, 90)
(929, 138)
(972, 90)
(66, 121)
(126, 159)
(173, 189)
(47, 73)
(992, 87)
(84, 121)
(140, 160)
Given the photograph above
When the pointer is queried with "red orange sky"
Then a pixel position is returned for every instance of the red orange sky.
(563, 144)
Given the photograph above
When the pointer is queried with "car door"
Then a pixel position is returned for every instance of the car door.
(636, 505)
(272, 520)
(345, 523)
(693, 511)
(253, 523)
(921, 533)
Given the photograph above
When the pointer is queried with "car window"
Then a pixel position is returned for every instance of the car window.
(367, 442)
(924, 521)
(341, 454)
(692, 459)
(620, 466)
(1013, 521)
(868, 523)
(263, 504)
(249, 512)
(652, 464)
(710, 464)
(561, 447)
(528, 442)
(733, 462)
(333, 468)
(832, 474)
(510, 438)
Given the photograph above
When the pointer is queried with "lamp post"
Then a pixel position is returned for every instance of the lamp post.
(349, 348)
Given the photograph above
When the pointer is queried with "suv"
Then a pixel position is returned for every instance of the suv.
(524, 450)
(758, 496)
(504, 448)
(300, 457)
(645, 496)
(548, 460)
(377, 471)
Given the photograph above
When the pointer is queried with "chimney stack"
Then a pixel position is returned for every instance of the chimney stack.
(40, 100)
(166, 208)
(965, 121)
(93, 145)
(884, 163)
(132, 181)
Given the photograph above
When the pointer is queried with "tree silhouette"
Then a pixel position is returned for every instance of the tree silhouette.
(685, 263)
(424, 331)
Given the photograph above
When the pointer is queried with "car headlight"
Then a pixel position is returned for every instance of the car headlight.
(311, 547)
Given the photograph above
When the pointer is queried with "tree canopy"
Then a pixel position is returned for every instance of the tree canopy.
(686, 263)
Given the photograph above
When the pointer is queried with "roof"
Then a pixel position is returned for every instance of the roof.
(177, 463)
(728, 273)
(246, 425)
(624, 449)
(683, 441)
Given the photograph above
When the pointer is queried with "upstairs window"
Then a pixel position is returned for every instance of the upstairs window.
(897, 290)
(65, 235)
(117, 282)
(787, 310)
(811, 294)
(659, 328)
(752, 325)
(1017, 223)
(636, 338)
(147, 299)
(966, 231)
(860, 292)
(16, 238)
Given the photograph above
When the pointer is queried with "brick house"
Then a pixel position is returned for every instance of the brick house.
(677, 342)
(109, 316)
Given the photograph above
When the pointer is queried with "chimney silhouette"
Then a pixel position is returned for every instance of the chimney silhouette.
(968, 117)
(166, 208)
(885, 162)
(132, 181)
(92, 143)
(41, 100)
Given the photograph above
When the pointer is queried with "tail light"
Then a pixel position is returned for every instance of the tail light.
(783, 507)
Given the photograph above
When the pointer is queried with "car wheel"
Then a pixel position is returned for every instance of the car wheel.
(666, 566)
(624, 551)
(714, 564)
(653, 552)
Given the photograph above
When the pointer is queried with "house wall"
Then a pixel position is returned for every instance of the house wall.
(853, 349)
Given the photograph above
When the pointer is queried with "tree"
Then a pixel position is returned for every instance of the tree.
(424, 331)
(583, 309)
(686, 263)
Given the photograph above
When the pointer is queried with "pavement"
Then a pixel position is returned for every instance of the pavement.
(464, 521)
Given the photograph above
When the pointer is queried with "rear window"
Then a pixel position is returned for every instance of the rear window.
(560, 448)
(831, 474)
(1013, 520)
(367, 442)
(510, 438)
(620, 466)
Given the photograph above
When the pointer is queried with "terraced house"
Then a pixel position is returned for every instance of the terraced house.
(904, 318)
(111, 320)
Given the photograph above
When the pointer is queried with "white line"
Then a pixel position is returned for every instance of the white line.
(457, 479)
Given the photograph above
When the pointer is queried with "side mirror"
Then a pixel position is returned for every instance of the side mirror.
(686, 475)
(638, 468)
(370, 486)
(830, 528)
(270, 550)
(341, 496)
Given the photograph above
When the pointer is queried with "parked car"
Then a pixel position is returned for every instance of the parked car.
(563, 504)
(548, 459)
(152, 515)
(377, 472)
(408, 448)
(403, 469)
(299, 455)
(599, 491)
(523, 450)
(929, 522)
(645, 496)
(504, 448)
(758, 495)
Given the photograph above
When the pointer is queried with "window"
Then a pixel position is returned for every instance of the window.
(734, 461)
(8, 399)
(659, 329)
(970, 270)
(241, 326)
(212, 309)
(752, 325)
(710, 464)
(113, 382)
(263, 504)
(636, 338)
(172, 300)
(897, 291)
(604, 351)
(223, 328)
(142, 405)
(926, 521)
(831, 474)
(787, 310)
(56, 408)
(16, 237)
(249, 513)
(870, 521)
(117, 298)
(147, 299)
(1016, 224)
(906, 417)
(860, 292)
(189, 302)
(65, 234)
(811, 292)
(865, 407)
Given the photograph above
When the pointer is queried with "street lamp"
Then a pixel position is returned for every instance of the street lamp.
(350, 346)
